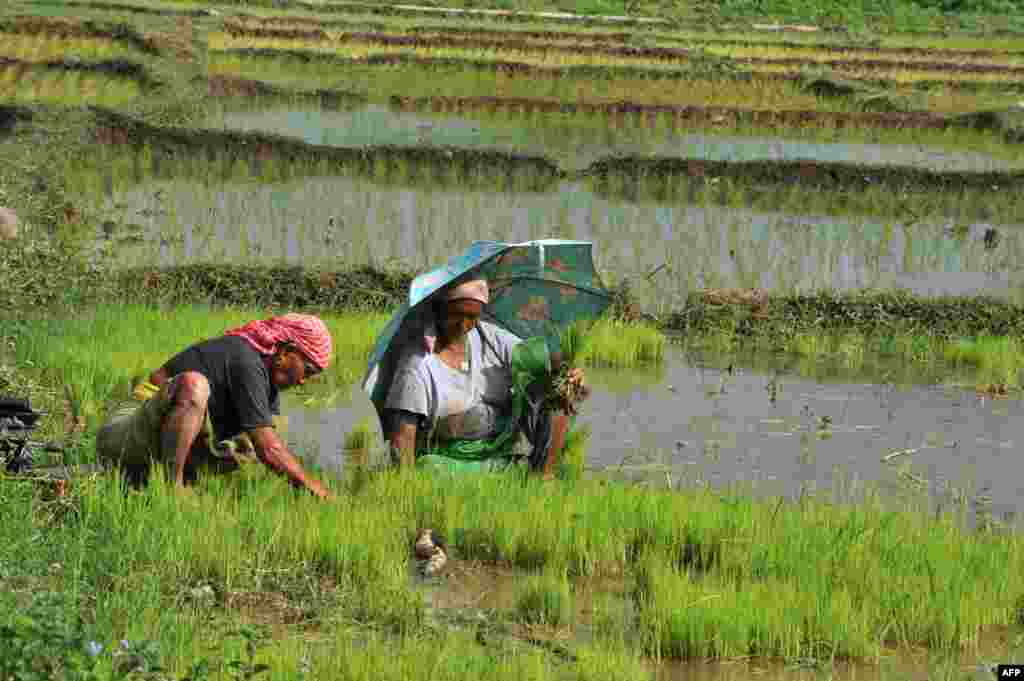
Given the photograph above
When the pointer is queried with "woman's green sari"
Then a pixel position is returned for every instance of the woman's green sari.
(531, 363)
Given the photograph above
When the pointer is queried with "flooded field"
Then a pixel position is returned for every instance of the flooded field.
(772, 431)
(575, 144)
(352, 220)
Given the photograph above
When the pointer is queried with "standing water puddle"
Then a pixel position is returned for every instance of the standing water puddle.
(695, 425)
(571, 141)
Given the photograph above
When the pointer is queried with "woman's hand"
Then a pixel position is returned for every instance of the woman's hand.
(577, 376)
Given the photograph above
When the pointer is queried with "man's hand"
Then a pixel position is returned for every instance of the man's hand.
(317, 489)
(275, 455)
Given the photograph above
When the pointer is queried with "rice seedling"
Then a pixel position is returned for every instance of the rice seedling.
(613, 343)
(360, 437)
(65, 88)
(545, 600)
(998, 360)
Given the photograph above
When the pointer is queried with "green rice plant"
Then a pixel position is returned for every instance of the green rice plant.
(361, 436)
(546, 600)
(614, 343)
(66, 88)
(573, 459)
(998, 360)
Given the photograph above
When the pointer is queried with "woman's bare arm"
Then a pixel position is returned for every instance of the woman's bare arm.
(403, 439)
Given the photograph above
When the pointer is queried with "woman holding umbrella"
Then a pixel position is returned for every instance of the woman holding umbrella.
(454, 402)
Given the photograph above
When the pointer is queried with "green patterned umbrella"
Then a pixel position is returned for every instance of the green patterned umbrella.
(538, 289)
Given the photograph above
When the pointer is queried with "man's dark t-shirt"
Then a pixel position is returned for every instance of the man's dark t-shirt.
(241, 394)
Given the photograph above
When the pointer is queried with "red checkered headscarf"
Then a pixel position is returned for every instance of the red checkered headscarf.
(306, 332)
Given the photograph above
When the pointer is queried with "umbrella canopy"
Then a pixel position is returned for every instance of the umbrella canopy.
(538, 288)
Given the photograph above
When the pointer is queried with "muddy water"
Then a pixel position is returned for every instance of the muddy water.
(699, 425)
(340, 220)
(573, 143)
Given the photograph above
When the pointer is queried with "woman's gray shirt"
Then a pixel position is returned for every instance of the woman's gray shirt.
(473, 404)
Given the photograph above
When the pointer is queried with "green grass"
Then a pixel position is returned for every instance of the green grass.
(545, 600)
(100, 352)
(714, 574)
(620, 345)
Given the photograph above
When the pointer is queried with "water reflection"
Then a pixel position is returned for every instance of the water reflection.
(574, 142)
(342, 220)
(775, 432)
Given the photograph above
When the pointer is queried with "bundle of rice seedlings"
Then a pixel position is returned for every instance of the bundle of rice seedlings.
(566, 389)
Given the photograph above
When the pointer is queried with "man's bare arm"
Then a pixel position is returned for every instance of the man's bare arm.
(272, 451)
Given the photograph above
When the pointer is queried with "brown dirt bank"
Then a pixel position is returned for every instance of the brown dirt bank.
(74, 28)
(364, 288)
(119, 68)
(230, 86)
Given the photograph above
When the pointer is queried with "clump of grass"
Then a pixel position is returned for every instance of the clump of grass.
(361, 436)
(573, 459)
(998, 359)
(546, 600)
(617, 344)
